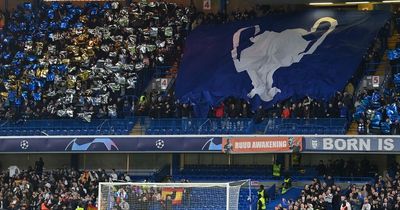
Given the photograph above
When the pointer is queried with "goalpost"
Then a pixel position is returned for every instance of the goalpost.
(168, 196)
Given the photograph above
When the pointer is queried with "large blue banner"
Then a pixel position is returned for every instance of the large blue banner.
(111, 144)
(270, 59)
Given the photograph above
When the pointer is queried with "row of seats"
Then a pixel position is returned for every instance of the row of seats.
(304, 130)
(222, 177)
(245, 126)
(241, 172)
(77, 132)
(179, 131)
(307, 130)
(66, 127)
(67, 123)
(224, 172)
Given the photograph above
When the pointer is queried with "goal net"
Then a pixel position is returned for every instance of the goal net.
(175, 196)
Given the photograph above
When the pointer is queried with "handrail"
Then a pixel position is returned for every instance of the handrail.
(201, 126)
(242, 126)
(101, 125)
(4, 123)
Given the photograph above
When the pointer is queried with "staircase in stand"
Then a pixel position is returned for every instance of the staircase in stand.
(352, 129)
(380, 71)
(137, 129)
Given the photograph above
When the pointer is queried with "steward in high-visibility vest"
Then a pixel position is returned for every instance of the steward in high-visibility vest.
(287, 182)
(261, 192)
(261, 204)
(276, 170)
(284, 190)
(79, 207)
(296, 159)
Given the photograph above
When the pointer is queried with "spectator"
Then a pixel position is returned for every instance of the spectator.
(259, 116)
(219, 111)
(186, 111)
(331, 111)
(321, 168)
(245, 112)
(343, 110)
(261, 203)
(329, 181)
(366, 205)
(285, 112)
(361, 127)
(39, 164)
(233, 112)
(113, 176)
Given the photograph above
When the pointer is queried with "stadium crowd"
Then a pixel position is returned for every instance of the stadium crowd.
(59, 189)
(164, 105)
(200, 18)
(67, 61)
(36, 189)
(377, 112)
(381, 194)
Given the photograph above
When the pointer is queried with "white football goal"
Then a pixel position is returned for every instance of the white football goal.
(175, 196)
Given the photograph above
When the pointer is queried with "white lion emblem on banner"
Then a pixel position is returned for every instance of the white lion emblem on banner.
(271, 51)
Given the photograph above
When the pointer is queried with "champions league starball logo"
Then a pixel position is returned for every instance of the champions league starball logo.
(24, 144)
(160, 144)
(75, 145)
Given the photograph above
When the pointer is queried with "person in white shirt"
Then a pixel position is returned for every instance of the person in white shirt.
(366, 205)
(124, 205)
(13, 170)
(113, 176)
(127, 178)
(345, 205)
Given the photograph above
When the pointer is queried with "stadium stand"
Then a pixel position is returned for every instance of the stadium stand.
(66, 61)
(378, 194)
(307, 116)
(377, 110)
(68, 189)
(84, 70)
(234, 116)
(44, 78)
(353, 170)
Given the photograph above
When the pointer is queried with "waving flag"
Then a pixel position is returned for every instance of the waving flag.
(175, 193)
(271, 59)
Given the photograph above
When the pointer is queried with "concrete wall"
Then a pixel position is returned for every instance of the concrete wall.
(23, 161)
(87, 161)
(223, 159)
(155, 161)
(119, 161)
(313, 159)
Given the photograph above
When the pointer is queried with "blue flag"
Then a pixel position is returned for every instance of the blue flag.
(270, 59)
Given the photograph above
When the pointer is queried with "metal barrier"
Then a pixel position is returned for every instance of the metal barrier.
(241, 126)
(66, 127)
